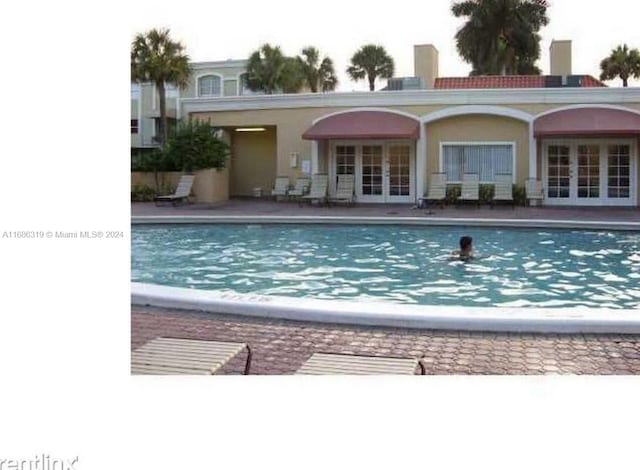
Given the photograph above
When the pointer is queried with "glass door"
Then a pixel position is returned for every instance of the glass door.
(558, 174)
(619, 172)
(399, 187)
(372, 185)
(588, 172)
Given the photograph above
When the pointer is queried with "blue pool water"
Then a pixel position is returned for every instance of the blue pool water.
(527, 268)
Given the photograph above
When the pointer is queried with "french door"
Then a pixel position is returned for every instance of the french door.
(590, 172)
(384, 171)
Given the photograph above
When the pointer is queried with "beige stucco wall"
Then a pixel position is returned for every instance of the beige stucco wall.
(290, 124)
(209, 186)
(230, 87)
(253, 161)
(479, 128)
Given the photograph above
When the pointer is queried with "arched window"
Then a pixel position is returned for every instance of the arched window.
(210, 85)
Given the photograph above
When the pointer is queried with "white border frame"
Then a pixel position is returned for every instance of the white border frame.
(512, 144)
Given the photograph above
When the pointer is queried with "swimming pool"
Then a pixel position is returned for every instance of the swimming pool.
(397, 264)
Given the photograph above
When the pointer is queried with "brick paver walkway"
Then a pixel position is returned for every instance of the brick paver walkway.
(271, 208)
(281, 346)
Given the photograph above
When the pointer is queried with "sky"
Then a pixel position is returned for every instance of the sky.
(232, 30)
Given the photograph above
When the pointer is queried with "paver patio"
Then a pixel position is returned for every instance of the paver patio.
(281, 346)
(269, 207)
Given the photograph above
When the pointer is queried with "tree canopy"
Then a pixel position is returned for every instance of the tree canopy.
(501, 37)
(371, 61)
(194, 146)
(319, 75)
(622, 62)
(156, 58)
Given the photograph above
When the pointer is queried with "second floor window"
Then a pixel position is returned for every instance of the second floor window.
(209, 85)
(134, 126)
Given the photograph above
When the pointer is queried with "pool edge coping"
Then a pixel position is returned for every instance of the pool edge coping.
(415, 221)
(575, 320)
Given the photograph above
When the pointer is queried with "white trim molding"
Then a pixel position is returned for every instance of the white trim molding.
(485, 97)
(476, 109)
(358, 110)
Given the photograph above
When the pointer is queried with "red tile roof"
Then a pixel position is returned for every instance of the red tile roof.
(505, 81)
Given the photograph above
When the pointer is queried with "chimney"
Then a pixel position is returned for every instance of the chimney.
(425, 58)
(560, 57)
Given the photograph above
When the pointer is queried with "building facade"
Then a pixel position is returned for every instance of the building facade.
(577, 136)
(218, 79)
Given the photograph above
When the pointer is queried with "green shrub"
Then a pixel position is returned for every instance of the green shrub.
(142, 193)
(453, 193)
(519, 195)
(194, 146)
(486, 192)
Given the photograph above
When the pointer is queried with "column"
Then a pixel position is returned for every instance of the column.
(314, 157)
(421, 161)
(533, 153)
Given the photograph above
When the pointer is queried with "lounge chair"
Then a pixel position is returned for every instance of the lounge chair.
(301, 188)
(345, 189)
(437, 192)
(470, 188)
(534, 190)
(503, 189)
(349, 364)
(171, 356)
(318, 191)
(281, 187)
(183, 190)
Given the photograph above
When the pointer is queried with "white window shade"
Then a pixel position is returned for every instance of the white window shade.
(487, 160)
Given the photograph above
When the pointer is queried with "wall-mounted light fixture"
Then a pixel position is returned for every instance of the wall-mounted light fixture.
(250, 129)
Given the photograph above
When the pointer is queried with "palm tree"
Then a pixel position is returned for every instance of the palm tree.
(371, 61)
(623, 62)
(270, 71)
(292, 79)
(158, 59)
(318, 75)
(500, 37)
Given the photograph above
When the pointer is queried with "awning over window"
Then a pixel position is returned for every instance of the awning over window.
(588, 121)
(364, 125)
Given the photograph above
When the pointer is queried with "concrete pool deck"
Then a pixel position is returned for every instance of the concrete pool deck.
(280, 347)
(262, 207)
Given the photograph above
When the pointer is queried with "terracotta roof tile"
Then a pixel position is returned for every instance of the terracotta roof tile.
(506, 81)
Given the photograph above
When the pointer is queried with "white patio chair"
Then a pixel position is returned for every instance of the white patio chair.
(281, 187)
(172, 356)
(300, 189)
(503, 189)
(437, 191)
(470, 191)
(349, 364)
(345, 189)
(319, 188)
(183, 190)
(534, 190)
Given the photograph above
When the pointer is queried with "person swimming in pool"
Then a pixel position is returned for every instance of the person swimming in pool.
(465, 253)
